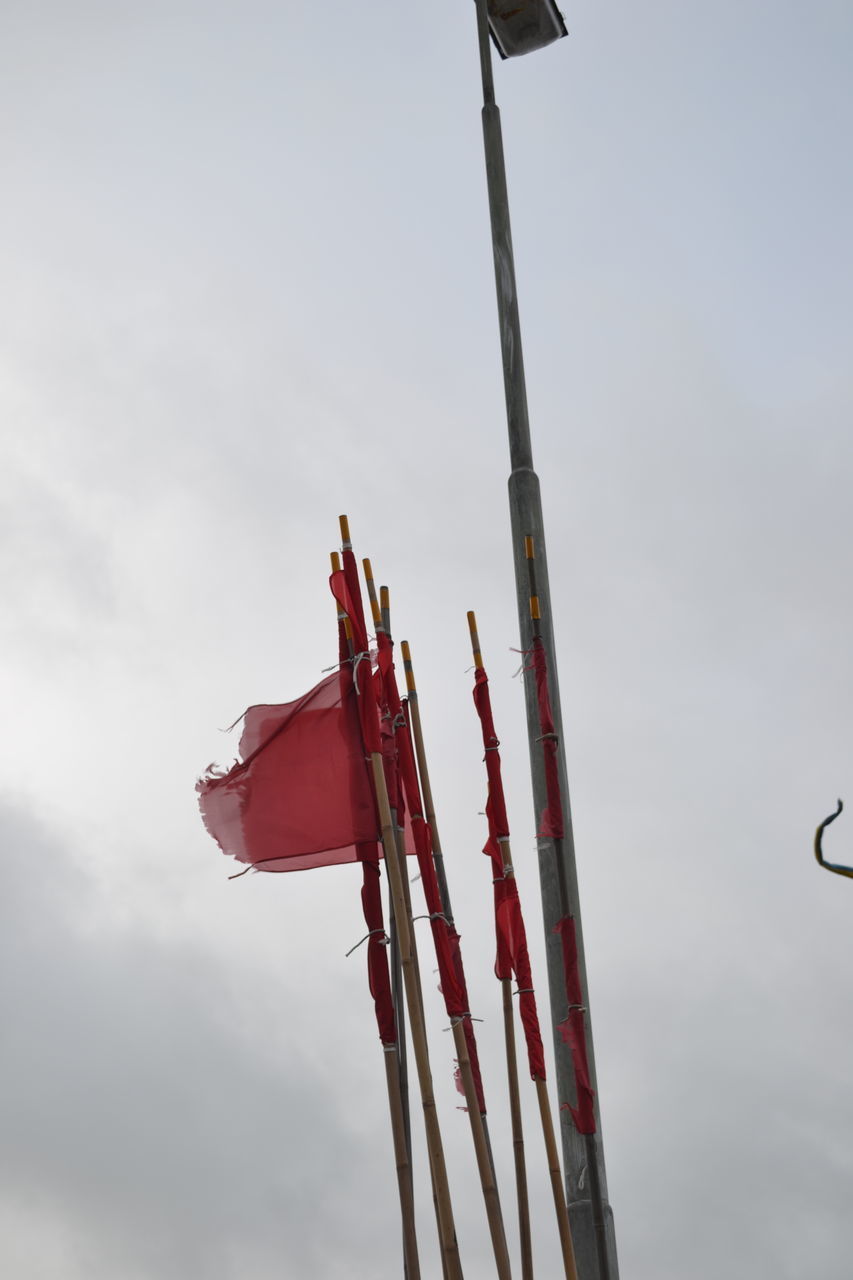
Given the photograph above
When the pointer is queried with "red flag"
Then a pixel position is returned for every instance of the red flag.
(445, 938)
(378, 974)
(301, 794)
(552, 818)
(573, 1030)
(349, 601)
(512, 953)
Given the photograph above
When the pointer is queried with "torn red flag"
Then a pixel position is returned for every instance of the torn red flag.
(512, 954)
(378, 973)
(445, 938)
(300, 796)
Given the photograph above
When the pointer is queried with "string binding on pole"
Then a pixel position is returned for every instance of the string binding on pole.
(371, 934)
(460, 1017)
(357, 658)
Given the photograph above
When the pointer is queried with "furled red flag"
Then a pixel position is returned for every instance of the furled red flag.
(378, 972)
(512, 953)
(300, 796)
(551, 822)
(573, 1027)
(349, 601)
(445, 938)
(573, 1031)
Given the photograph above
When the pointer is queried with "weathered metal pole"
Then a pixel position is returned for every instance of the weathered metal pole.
(526, 520)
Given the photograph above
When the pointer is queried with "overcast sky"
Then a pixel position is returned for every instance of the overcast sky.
(246, 286)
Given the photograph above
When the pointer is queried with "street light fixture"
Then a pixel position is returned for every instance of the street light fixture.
(520, 26)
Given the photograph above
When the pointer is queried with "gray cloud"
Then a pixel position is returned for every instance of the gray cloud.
(247, 285)
(140, 1117)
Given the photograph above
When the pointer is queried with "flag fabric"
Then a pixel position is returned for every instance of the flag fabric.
(348, 596)
(512, 953)
(573, 1030)
(368, 854)
(378, 972)
(300, 795)
(445, 938)
(573, 1027)
(551, 821)
(378, 691)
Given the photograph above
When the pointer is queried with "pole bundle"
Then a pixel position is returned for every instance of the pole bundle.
(445, 937)
(345, 589)
(324, 780)
(379, 982)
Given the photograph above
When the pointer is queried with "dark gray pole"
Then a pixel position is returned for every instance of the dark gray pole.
(557, 869)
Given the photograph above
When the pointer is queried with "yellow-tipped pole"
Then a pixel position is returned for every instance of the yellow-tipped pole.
(479, 1130)
(396, 966)
(396, 874)
(548, 1134)
(384, 616)
(524, 1232)
(433, 1133)
(396, 1107)
(371, 594)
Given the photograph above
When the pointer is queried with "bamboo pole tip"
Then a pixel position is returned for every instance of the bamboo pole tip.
(528, 547)
(385, 597)
(344, 523)
(335, 558)
(407, 667)
(475, 639)
(371, 594)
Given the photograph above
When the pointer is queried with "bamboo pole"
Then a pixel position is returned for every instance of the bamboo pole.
(557, 1185)
(479, 1130)
(382, 622)
(447, 1231)
(402, 1148)
(554, 1171)
(479, 1135)
(396, 968)
(524, 1231)
(416, 1023)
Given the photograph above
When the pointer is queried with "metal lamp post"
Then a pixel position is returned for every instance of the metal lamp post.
(517, 28)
